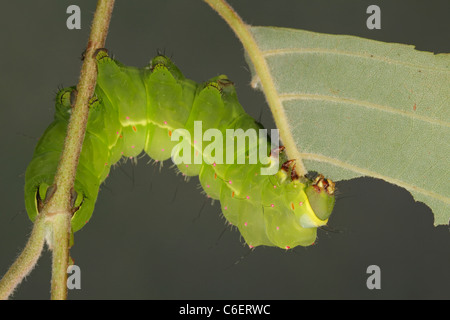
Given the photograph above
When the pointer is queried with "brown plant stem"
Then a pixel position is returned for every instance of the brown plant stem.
(242, 31)
(59, 210)
(53, 222)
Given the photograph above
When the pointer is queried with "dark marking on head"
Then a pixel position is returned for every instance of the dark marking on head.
(100, 54)
(286, 165)
(294, 175)
(73, 97)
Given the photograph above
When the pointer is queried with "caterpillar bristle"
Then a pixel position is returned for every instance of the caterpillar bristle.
(156, 163)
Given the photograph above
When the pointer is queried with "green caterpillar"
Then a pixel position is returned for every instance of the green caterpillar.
(154, 108)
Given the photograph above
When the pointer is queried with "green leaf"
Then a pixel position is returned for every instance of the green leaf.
(358, 107)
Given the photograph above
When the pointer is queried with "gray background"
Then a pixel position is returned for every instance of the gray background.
(154, 236)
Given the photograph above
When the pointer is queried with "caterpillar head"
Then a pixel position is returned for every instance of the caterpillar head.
(311, 200)
(321, 196)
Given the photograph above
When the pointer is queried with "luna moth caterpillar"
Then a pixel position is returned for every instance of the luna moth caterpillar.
(151, 110)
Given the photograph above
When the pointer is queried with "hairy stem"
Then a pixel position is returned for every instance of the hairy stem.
(26, 260)
(59, 204)
(60, 255)
(242, 31)
(53, 222)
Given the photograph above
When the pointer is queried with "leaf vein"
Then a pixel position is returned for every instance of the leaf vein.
(274, 52)
(304, 96)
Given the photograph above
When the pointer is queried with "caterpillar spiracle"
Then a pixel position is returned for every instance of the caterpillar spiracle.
(154, 108)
